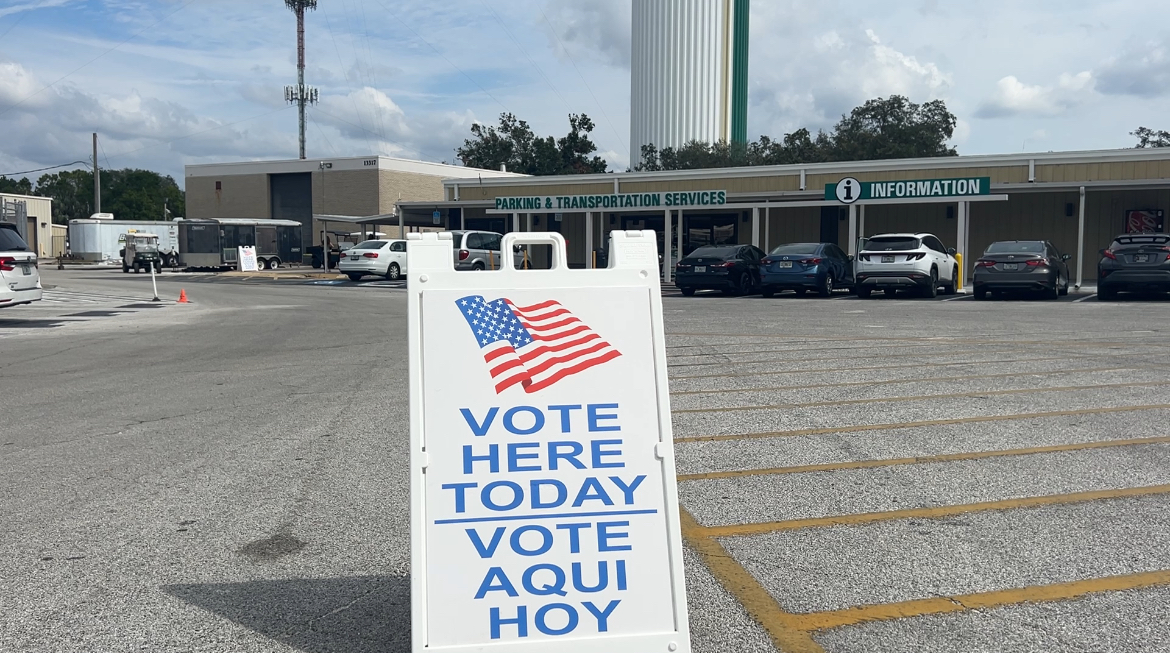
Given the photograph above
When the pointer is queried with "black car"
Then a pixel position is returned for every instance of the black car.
(734, 269)
(806, 266)
(1134, 262)
(1021, 265)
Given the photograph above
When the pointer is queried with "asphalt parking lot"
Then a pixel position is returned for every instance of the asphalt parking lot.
(855, 475)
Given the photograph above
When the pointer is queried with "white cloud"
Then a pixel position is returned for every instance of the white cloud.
(598, 30)
(1142, 71)
(1013, 97)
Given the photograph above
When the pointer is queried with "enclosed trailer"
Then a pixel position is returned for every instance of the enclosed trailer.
(213, 243)
(100, 240)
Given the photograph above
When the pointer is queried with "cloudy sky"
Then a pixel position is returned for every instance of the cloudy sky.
(170, 82)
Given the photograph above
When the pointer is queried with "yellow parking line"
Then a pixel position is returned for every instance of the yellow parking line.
(954, 395)
(759, 604)
(875, 367)
(922, 460)
(852, 384)
(980, 601)
(936, 512)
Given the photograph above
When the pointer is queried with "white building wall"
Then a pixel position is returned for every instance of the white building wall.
(680, 73)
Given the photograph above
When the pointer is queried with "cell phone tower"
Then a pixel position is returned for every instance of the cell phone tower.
(300, 94)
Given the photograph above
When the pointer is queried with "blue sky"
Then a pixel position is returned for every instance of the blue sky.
(171, 82)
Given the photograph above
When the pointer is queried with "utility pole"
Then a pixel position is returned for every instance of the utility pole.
(97, 179)
(300, 94)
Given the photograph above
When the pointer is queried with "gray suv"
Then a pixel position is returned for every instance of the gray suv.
(480, 250)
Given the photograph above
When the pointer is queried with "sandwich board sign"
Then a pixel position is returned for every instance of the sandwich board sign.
(247, 259)
(544, 511)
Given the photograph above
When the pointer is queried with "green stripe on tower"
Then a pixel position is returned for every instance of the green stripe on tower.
(739, 72)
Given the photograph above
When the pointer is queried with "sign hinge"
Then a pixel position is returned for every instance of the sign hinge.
(424, 459)
(661, 450)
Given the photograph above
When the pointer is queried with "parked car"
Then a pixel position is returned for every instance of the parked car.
(480, 250)
(734, 269)
(1134, 262)
(1029, 265)
(800, 267)
(384, 258)
(20, 279)
(917, 262)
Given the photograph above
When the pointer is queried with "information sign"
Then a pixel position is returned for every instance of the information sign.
(850, 190)
(247, 259)
(544, 511)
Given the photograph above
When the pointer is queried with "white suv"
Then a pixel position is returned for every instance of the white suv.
(20, 280)
(919, 262)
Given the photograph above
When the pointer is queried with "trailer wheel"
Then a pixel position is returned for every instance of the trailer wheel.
(273, 264)
(172, 261)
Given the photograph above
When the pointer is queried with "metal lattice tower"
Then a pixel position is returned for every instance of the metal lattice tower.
(300, 94)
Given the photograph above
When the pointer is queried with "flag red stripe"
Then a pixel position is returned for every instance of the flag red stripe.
(505, 366)
(563, 334)
(530, 354)
(542, 316)
(511, 381)
(549, 327)
(558, 360)
(579, 367)
(534, 307)
(496, 353)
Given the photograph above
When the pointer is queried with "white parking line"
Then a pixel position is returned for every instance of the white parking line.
(1084, 298)
(955, 299)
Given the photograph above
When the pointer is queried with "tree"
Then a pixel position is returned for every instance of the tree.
(893, 128)
(1151, 138)
(515, 146)
(128, 194)
(72, 193)
(21, 187)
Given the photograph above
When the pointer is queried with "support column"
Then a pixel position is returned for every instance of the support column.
(961, 240)
(666, 249)
(401, 226)
(515, 221)
(529, 223)
(852, 230)
(678, 237)
(588, 240)
(755, 226)
(767, 229)
(1081, 240)
(461, 218)
(861, 223)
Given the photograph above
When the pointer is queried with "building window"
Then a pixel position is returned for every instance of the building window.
(219, 185)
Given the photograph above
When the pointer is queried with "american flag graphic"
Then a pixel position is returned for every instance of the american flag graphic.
(533, 346)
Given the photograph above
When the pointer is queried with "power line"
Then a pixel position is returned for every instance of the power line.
(21, 17)
(587, 87)
(29, 172)
(530, 60)
(59, 79)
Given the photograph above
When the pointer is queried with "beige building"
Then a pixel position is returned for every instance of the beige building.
(301, 189)
(1077, 200)
(37, 214)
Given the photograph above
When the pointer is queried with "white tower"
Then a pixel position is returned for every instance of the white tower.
(688, 73)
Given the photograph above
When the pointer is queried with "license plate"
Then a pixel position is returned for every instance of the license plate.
(1141, 258)
(887, 259)
(785, 264)
(26, 269)
(1011, 266)
(700, 268)
(354, 258)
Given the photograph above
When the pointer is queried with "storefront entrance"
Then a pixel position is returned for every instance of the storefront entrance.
(698, 230)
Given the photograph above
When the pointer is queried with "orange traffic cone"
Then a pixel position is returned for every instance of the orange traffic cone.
(183, 296)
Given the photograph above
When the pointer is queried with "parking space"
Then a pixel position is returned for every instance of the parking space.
(926, 475)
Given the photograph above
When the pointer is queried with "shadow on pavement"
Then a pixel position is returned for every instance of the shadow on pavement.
(329, 615)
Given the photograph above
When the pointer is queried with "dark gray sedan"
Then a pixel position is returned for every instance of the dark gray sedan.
(1021, 265)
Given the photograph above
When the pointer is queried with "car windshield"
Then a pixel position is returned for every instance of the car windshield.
(10, 241)
(1017, 247)
(796, 249)
(892, 244)
(713, 252)
(371, 244)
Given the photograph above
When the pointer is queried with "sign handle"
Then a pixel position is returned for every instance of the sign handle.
(551, 238)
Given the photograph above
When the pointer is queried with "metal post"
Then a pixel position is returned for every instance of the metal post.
(853, 230)
(97, 179)
(678, 238)
(861, 222)
(529, 223)
(515, 221)
(154, 284)
(589, 240)
(666, 248)
(402, 226)
(961, 242)
(767, 229)
(756, 226)
(1081, 241)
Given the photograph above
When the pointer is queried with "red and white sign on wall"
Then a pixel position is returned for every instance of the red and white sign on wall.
(1145, 221)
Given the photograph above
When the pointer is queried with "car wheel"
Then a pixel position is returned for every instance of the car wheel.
(864, 293)
(826, 288)
(1054, 291)
(393, 273)
(125, 268)
(952, 287)
(931, 291)
(745, 284)
(1064, 289)
(137, 268)
(689, 292)
(354, 277)
(478, 267)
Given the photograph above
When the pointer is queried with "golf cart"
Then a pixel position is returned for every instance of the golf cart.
(141, 253)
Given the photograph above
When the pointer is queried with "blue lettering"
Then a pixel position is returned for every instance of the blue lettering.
(492, 458)
(628, 490)
(546, 543)
(602, 577)
(521, 622)
(485, 495)
(514, 456)
(554, 454)
(595, 417)
(556, 587)
(621, 575)
(543, 627)
(496, 581)
(460, 498)
(562, 493)
(574, 535)
(489, 550)
(602, 615)
(564, 410)
(604, 536)
(537, 419)
(479, 429)
(597, 494)
(595, 447)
